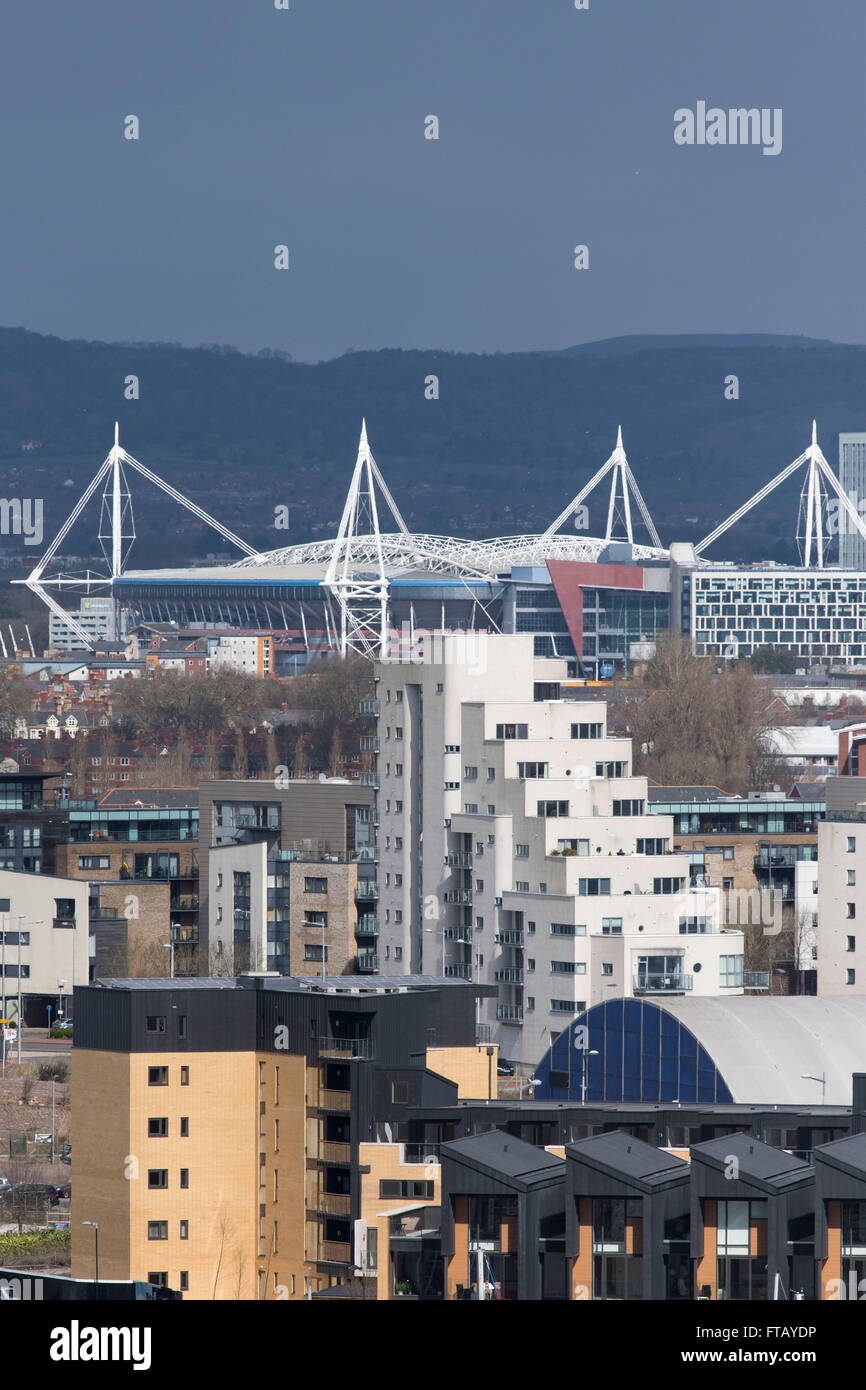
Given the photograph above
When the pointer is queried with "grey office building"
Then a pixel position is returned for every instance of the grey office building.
(852, 476)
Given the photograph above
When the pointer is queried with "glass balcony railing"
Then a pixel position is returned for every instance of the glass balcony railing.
(756, 979)
(458, 971)
(509, 1013)
(463, 934)
(368, 962)
(367, 924)
(651, 982)
(370, 707)
(345, 1047)
(366, 888)
(509, 976)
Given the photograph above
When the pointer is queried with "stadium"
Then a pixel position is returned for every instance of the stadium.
(594, 601)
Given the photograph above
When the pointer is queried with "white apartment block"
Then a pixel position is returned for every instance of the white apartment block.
(250, 652)
(516, 848)
(842, 907)
(95, 615)
(44, 927)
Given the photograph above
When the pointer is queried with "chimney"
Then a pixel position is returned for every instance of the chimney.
(858, 1103)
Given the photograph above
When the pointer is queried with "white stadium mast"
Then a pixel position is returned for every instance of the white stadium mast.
(813, 501)
(356, 575)
(618, 466)
(116, 532)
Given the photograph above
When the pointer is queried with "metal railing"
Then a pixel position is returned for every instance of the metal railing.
(367, 924)
(509, 938)
(368, 962)
(369, 779)
(369, 743)
(370, 707)
(345, 1047)
(459, 971)
(509, 1013)
(756, 979)
(463, 934)
(461, 896)
(461, 861)
(509, 975)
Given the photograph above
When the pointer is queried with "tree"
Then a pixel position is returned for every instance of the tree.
(240, 760)
(335, 755)
(698, 726)
(300, 767)
(774, 660)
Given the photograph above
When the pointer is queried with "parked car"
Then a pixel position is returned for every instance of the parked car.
(45, 1193)
(505, 1068)
(66, 1153)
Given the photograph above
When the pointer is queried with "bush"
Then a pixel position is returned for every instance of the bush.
(14, 1246)
(53, 1071)
(60, 1033)
(28, 1081)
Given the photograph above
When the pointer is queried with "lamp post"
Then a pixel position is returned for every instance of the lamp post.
(95, 1225)
(822, 1081)
(169, 946)
(592, 1052)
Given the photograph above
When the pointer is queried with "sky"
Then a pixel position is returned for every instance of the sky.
(305, 127)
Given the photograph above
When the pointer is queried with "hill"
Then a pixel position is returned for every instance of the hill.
(511, 438)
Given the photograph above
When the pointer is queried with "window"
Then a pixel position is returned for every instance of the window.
(398, 916)
(402, 1187)
(851, 877)
(65, 908)
(94, 861)
(400, 1092)
(651, 846)
(668, 885)
(727, 885)
(315, 919)
(398, 952)
(630, 807)
(522, 886)
(184, 1281)
(398, 732)
(398, 769)
(398, 841)
(157, 1230)
(154, 1023)
(184, 1230)
(491, 810)
(552, 808)
(314, 952)
(184, 1076)
(731, 971)
(471, 808)
(521, 851)
(530, 964)
(479, 885)
(611, 926)
(614, 769)
(562, 1006)
(594, 887)
(184, 1126)
(562, 929)
(398, 880)
(398, 807)
(530, 927)
(452, 748)
(695, 926)
(219, 880)
(157, 1076)
(851, 977)
(851, 910)
(315, 885)
(851, 943)
(181, 1025)
(479, 923)
(470, 774)
(157, 1177)
(512, 731)
(562, 967)
(530, 1002)
(157, 1128)
(587, 731)
(491, 774)
(607, 968)
(184, 1177)
(528, 770)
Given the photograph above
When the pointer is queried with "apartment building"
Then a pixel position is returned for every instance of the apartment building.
(43, 944)
(292, 911)
(218, 1124)
(517, 848)
(309, 819)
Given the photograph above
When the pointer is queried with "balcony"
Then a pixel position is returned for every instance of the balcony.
(366, 888)
(459, 971)
(345, 1047)
(461, 896)
(331, 1152)
(459, 861)
(756, 979)
(368, 962)
(66, 922)
(652, 983)
(335, 1203)
(423, 1152)
(369, 743)
(367, 854)
(509, 937)
(509, 976)
(509, 1013)
(335, 1100)
(367, 924)
(463, 934)
(107, 914)
(370, 707)
(369, 779)
(333, 1252)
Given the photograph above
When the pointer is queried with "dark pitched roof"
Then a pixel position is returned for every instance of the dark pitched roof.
(659, 793)
(501, 1153)
(848, 1153)
(756, 1159)
(167, 798)
(628, 1157)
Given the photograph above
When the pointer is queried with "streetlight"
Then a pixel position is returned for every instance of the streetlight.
(529, 1081)
(169, 946)
(823, 1082)
(592, 1052)
(95, 1225)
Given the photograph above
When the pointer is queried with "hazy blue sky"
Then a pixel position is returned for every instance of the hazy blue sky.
(306, 127)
